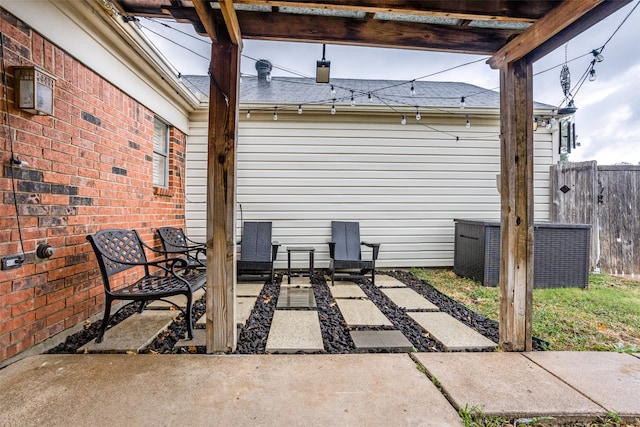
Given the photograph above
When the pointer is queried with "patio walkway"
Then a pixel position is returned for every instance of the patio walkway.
(316, 390)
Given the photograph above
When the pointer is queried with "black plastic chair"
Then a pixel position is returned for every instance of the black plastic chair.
(257, 250)
(174, 241)
(122, 250)
(345, 253)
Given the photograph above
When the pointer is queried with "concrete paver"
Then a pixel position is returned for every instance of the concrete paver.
(293, 330)
(505, 384)
(133, 333)
(296, 280)
(361, 313)
(610, 379)
(350, 290)
(384, 281)
(451, 333)
(409, 299)
(296, 298)
(248, 289)
(380, 340)
(264, 390)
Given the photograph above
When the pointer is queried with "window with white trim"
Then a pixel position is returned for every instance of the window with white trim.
(160, 153)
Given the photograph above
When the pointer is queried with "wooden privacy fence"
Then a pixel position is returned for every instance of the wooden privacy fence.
(608, 198)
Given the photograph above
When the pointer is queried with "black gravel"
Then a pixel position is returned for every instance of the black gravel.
(252, 337)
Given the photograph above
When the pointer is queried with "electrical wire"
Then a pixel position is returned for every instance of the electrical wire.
(13, 160)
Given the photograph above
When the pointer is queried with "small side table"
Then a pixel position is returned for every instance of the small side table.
(309, 250)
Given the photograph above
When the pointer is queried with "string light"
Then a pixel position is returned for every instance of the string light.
(370, 98)
(300, 109)
(403, 120)
(413, 89)
(333, 90)
(597, 55)
(462, 103)
(418, 116)
(275, 113)
(468, 124)
(248, 114)
(333, 106)
(592, 75)
(353, 101)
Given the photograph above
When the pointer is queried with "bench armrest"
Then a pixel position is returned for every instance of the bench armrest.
(274, 250)
(332, 249)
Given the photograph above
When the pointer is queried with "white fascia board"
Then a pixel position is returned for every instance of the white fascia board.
(106, 45)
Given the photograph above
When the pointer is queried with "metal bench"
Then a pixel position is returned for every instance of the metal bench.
(118, 251)
(175, 242)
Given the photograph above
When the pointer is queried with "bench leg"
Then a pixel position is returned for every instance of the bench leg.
(105, 319)
(188, 316)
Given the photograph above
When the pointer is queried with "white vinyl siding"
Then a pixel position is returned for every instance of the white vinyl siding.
(404, 184)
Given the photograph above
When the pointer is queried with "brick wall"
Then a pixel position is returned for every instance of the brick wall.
(89, 167)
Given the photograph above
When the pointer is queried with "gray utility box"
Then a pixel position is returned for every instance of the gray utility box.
(561, 253)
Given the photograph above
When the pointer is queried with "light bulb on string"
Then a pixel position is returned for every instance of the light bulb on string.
(333, 107)
(275, 113)
(418, 116)
(353, 101)
(403, 120)
(248, 114)
(597, 55)
(592, 75)
(462, 103)
(300, 109)
(548, 126)
(333, 90)
(370, 98)
(413, 89)
(268, 77)
(468, 124)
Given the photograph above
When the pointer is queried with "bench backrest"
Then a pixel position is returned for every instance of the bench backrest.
(112, 246)
(256, 241)
(346, 236)
(173, 239)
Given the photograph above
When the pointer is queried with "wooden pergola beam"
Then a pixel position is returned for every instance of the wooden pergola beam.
(205, 14)
(568, 12)
(516, 193)
(224, 72)
(231, 21)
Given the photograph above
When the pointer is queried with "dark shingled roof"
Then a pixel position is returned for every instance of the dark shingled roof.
(305, 91)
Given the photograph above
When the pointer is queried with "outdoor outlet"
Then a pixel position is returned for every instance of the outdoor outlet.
(10, 262)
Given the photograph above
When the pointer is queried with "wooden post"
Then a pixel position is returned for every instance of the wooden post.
(516, 174)
(221, 196)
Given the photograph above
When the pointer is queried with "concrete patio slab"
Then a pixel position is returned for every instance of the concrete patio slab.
(296, 280)
(180, 300)
(296, 298)
(505, 384)
(198, 390)
(357, 312)
(610, 379)
(380, 340)
(384, 281)
(350, 290)
(132, 334)
(451, 333)
(409, 299)
(293, 331)
(199, 339)
(244, 305)
(248, 289)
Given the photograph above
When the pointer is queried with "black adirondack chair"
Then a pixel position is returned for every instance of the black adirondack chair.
(174, 241)
(345, 253)
(122, 250)
(257, 250)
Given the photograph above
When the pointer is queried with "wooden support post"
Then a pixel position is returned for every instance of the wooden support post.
(516, 173)
(221, 195)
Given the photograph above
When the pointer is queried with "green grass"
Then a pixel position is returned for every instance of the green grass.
(604, 317)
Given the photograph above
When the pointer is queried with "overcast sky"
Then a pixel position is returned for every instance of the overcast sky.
(608, 116)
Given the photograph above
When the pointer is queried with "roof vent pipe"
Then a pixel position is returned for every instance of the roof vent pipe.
(263, 67)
